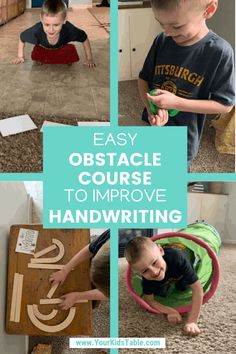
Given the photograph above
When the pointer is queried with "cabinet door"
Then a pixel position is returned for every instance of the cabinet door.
(213, 210)
(143, 29)
(194, 207)
(124, 46)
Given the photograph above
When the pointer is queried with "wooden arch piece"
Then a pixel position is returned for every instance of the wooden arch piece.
(51, 329)
(56, 259)
(42, 316)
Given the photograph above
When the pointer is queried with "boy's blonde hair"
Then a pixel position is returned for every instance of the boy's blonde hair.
(135, 248)
(54, 8)
(100, 269)
(170, 4)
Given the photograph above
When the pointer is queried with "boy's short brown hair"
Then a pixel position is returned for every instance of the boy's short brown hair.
(135, 248)
(170, 4)
(100, 269)
(54, 8)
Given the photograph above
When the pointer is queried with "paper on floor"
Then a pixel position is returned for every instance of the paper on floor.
(93, 124)
(15, 125)
(47, 123)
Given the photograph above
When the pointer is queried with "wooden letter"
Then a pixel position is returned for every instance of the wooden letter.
(52, 290)
(43, 317)
(60, 255)
(51, 329)
(45, 266)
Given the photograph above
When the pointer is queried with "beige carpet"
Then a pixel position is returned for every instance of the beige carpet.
(217, 321)
(208, 159)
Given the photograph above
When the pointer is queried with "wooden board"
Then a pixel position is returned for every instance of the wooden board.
(36, 282)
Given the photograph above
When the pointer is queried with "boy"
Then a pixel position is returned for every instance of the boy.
(190, 67)
(158, 268)
(52, 36)
(99, 251)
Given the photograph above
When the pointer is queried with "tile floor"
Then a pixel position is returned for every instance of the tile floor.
(62, 91)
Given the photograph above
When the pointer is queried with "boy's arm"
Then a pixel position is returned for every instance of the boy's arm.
(88, 54)
(59, 277)
(70, 299)
(173, 316)
(20, 54)
(162, 117)
(191, 326)
(167, 100)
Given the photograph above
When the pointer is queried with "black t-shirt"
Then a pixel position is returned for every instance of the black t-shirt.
(95, 245)
(69, 33)
(178, 268)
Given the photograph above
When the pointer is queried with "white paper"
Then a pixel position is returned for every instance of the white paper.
(93, 124)
(26, 241)
(15, 125)
(47, 123)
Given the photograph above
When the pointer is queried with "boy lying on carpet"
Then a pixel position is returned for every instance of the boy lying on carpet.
(52, 36)
(99, 251)
(159, 268)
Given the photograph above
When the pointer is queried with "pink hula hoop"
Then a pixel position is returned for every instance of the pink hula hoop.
(214, 281)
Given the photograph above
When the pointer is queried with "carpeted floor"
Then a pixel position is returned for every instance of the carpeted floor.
(208, 159)
(217, 321)
(64, 94)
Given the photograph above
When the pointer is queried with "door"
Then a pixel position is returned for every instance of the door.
(143, 29)
(124, 46)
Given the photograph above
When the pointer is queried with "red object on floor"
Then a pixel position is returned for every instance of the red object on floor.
(64, 55)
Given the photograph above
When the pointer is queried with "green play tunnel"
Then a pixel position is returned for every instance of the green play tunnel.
(201, 242)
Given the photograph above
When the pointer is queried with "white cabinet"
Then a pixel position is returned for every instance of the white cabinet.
(205, 207)
(210, 208)
(137, 30)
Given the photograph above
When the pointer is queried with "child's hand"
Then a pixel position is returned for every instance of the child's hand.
(174, 317)
(90, 63)
(18, 60)
(68, 300)
(58, 277)
(159, 119)
(164, 99)
(191, 329)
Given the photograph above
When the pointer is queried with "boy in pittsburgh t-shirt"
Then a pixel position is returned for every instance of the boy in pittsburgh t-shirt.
(190, 67)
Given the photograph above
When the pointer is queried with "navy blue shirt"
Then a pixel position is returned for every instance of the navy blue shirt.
(95, 245)
(202, 71)
(179, 268)
(69, 33)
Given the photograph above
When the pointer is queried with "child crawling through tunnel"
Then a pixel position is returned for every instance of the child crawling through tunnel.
(52, 38)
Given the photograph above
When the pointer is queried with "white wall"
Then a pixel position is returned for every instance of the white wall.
(223, 22)
(230, 223)
(14, 203)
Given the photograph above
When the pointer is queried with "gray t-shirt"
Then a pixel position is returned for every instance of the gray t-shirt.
(200, 71)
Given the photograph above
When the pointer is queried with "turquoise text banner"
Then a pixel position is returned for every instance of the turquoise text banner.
(124, 176)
